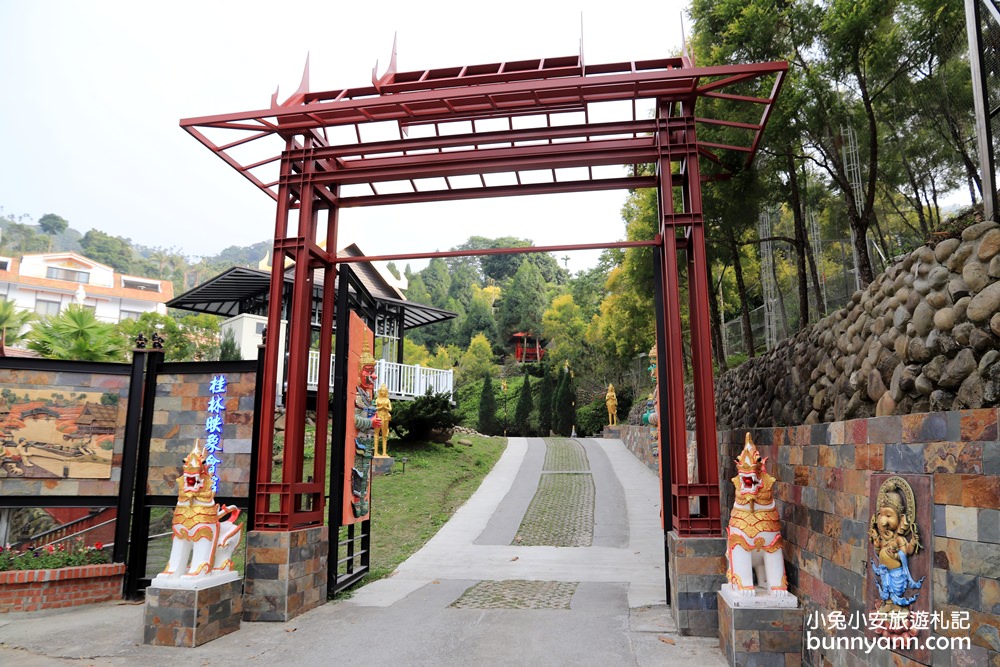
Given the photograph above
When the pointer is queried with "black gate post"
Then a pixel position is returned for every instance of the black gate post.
(338, 422)
(126, 485)
(139, 538)
(666, 480)
(258, 403)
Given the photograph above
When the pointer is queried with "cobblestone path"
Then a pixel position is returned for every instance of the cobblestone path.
(561, 514)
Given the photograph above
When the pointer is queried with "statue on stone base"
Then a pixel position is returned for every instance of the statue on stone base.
(755, 543)
(383, 410)
(611, 401)
(202, 534)
(366, 421)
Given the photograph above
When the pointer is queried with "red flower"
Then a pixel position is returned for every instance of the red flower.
(50, 548)
(98, 546)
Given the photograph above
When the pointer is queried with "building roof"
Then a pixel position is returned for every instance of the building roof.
(242, 290)
(98, 412)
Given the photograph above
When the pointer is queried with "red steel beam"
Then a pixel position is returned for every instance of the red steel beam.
(497, 251)
(498, 191)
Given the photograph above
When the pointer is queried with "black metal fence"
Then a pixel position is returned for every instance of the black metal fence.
(155, 423)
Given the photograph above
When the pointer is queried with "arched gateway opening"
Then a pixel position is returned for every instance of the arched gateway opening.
(314, 156)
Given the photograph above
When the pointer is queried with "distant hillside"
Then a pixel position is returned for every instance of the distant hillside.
(21, 235)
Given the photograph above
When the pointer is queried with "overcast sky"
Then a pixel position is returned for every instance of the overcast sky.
(93, 92)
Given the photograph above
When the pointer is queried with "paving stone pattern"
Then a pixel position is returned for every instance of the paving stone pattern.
(562, 512)
(517, 594)
(565, 456)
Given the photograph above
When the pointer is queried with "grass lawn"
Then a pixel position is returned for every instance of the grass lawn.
(409, 507)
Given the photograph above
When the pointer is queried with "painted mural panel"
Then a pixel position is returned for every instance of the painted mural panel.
(61, 432)
(56, 433)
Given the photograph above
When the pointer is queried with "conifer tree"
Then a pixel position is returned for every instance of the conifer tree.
(522, 413)
(545, 402)
(488, 424)
(558, 417)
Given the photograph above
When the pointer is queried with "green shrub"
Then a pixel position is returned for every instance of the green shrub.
(592, 418)
(414, 420)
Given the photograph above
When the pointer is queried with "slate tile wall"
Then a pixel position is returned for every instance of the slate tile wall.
(179, 416)
(823, 473)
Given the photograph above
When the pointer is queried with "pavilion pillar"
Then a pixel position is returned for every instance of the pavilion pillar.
(695, 546)
(287, 553)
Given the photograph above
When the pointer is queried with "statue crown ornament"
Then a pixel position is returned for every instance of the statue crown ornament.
(366, 358)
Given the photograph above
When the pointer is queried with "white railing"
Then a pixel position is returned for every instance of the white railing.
(403, 380)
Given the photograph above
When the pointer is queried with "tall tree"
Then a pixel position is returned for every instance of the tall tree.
(564, 328)
(53, 225)
(228, 349)
(479, 320)
(545, 392)
(559, 417)
(18, 237)
(437, 279)
(523, 302)
(488, 424)
(522, 413)
(477, 360)
(114, 251)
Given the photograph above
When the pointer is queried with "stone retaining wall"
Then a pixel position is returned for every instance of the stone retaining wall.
(641, 441)
(33, 590)
(923, 337)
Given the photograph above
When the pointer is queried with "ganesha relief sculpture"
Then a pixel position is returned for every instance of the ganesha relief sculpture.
(895, 538)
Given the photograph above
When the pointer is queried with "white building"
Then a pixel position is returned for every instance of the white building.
(48, 283)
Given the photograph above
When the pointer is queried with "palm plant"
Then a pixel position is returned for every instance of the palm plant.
(76, 334)
(13, 321)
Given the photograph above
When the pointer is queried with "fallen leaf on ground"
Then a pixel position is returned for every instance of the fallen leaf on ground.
(515, 558)
(667, 640)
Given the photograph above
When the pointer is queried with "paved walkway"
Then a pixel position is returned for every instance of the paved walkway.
(475, 594)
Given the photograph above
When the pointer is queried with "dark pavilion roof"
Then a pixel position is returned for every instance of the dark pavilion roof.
(243, 290)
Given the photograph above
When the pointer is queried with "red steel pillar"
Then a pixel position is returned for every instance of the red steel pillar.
(299, 501)
(682, 227)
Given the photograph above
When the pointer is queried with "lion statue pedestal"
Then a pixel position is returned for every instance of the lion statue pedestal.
(199, 595)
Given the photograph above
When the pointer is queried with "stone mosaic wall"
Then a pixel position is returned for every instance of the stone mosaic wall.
(286, 573)
(641, 441)
(179, 415)
(823, 489)
(69, 383)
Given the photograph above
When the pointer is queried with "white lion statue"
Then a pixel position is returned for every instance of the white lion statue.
(755, 544)
(200, 535)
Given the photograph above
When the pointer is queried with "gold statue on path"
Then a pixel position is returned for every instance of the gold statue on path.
(383, 410)
(611, 400)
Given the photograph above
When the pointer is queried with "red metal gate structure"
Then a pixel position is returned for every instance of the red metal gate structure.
(317, 152)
